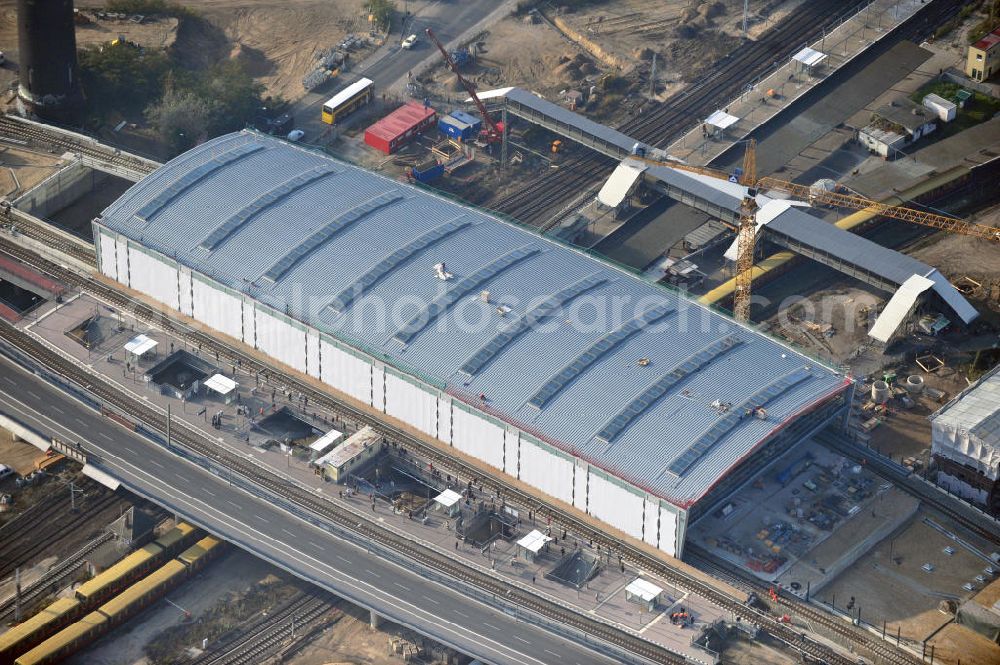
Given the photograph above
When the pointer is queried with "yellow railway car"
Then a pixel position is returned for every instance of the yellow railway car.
(178, 537)
(196, 556)
(148, 590)
(67, 641)
(32, 632)
(104, 585)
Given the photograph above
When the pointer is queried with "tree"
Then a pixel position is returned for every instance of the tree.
(121, 77)
(381, 12)
(181, 117)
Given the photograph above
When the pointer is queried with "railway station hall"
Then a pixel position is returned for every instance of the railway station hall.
(612, 394)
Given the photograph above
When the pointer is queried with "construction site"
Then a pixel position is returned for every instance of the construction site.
(500, 332)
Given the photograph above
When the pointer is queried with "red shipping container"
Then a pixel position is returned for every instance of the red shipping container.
(393, 131)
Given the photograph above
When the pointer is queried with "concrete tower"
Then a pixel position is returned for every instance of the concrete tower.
(49, 80)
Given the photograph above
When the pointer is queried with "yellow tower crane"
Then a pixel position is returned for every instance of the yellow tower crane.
(747, 229)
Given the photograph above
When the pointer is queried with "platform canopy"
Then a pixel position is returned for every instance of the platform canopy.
(220, 384)
(721, 120)
(809, 57)
(534, 541)
(323, 443)
(448, 498)
(140, 344)
(643, 589)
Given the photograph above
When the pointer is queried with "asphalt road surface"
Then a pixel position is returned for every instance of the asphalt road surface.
(282, 538)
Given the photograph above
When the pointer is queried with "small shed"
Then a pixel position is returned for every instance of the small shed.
(449, 501)
(717, 123)
(944, 109)
(531, 545)
(644, 593)
(361, 447)
(809, 59)
(139, 346)
(223, 386)
(323, 444)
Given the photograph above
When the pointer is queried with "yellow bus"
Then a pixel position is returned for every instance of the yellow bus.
(347, 100)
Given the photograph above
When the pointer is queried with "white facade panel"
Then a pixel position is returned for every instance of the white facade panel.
(217, 309)
(651, 516)
(249, 324)
(106, 247)
(346, 372)
(444, 420)
(378, 388)
(153, 277)
(312, 353)
(580, 479)
(281, 340)
(511, 452)
(668, 531)
(616, 505)
(477, 436)
(184, 290)
(548, 472)
(121, 254)
(411, 404)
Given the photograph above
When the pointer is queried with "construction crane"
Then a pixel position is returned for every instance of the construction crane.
(747, 229)
(493, 132)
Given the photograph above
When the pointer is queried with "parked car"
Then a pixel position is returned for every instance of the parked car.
(295, 135)
(409, 42)
(5, 471)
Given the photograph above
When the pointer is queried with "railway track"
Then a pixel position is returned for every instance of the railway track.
(534, 203)
(265, 635)
(859, 639)
(52, 579)
(25, 131)
(24, 539)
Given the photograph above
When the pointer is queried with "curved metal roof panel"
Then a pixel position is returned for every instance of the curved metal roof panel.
(410, 286)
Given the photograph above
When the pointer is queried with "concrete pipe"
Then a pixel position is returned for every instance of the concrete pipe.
(914, 384)
(881, 392)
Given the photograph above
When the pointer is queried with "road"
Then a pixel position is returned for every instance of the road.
(388, 66)
(269, 532)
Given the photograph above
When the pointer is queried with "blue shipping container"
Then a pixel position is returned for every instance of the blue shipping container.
(455, 128)
(429, 174)
(469, 119)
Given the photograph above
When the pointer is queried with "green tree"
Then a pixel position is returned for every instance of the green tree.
(121, 77)
(181, 117)
(381, 11)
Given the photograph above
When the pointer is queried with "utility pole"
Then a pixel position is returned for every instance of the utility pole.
(652, 79)
(746, 13)
(168, 426)
(17, 595)
(73, 489)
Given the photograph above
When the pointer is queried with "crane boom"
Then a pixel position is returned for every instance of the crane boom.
(494, 132)
(856, 202)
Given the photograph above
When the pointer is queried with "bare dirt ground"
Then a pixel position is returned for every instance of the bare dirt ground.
(755, 652)
(277, 42)
(351, 641)
(221, 581)
(958, 644)
(896, 590)
(21, 169)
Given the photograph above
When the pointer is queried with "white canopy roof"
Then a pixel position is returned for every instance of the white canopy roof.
(448, 498)
(140, 344)
(323, 443)
(721, 119)
(898, 308)
(809, 57)
(534, 541)
(220, 384)
(643, 589)
(620, 183)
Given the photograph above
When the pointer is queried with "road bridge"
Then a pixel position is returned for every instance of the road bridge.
(440, 608)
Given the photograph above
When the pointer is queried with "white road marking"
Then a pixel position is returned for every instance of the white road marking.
(57, 409)
(553, 653)
(489, 625)
(404, 588)
(234, 505)
(518, 637)
(153, 461)
(207, 492)
(262, 519)
(429, 599)
(289, 532)
(345, 560)
(319, 547)
(32, 393)
(373, 574)
(105, 436)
